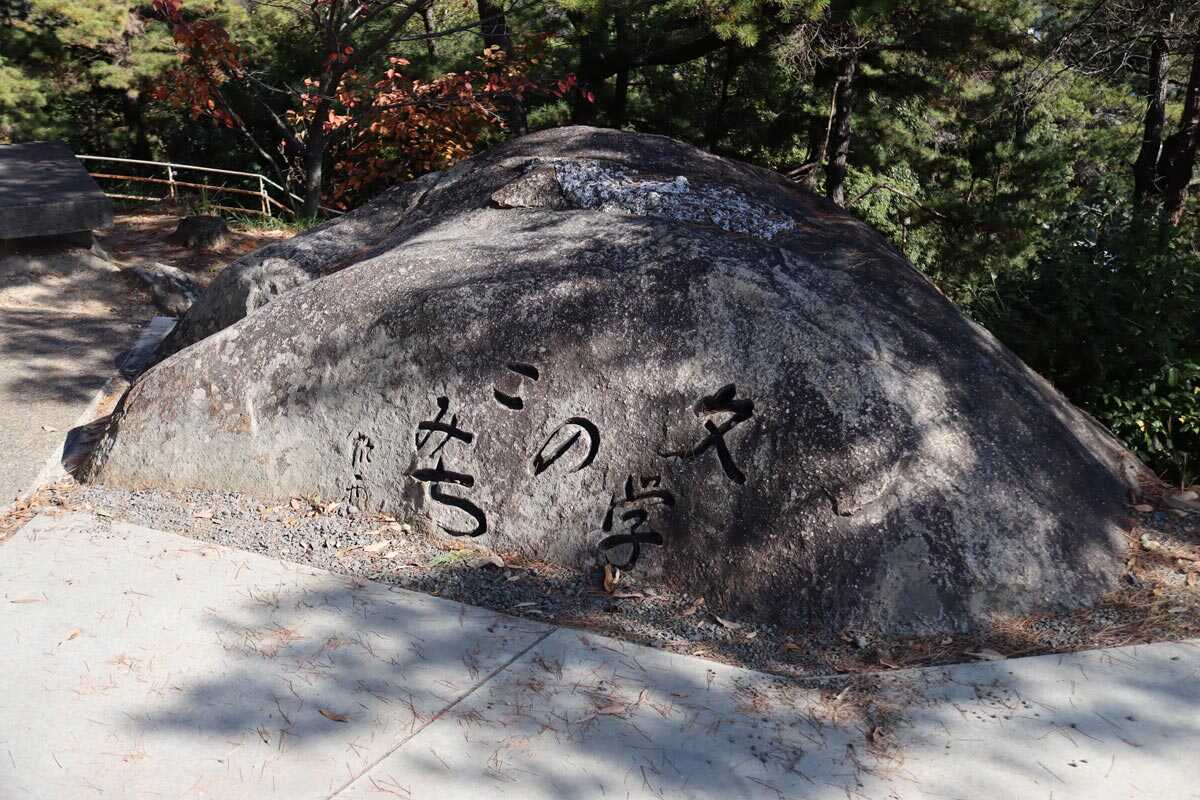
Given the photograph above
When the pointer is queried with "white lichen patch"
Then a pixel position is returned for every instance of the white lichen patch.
(594, 184)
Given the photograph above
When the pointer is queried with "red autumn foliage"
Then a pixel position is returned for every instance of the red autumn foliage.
(401, 127)
(376, 132)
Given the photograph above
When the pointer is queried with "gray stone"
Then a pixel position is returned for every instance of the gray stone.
(173, 289)
(45, 191)
(775, 412)
(203, 232)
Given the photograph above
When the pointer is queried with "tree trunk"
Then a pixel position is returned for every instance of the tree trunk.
(493, 25)
(314, 168)
(427, 24)
(819, 127)
(1145, 169)
(839, 133)
(133, 104)
(620, 99)
(1178, 160)
(583, 111)
(716, 127)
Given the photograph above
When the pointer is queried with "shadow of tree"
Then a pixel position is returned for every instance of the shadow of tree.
(429, 698)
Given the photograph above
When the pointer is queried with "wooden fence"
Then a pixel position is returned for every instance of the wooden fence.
(269, 197)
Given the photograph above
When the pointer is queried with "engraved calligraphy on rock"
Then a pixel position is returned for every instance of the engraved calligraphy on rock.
(439, 474)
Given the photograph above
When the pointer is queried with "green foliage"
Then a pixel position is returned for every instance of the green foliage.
(1114, 323)
(1160, 420)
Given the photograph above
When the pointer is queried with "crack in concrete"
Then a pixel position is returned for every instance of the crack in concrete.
(436, 717)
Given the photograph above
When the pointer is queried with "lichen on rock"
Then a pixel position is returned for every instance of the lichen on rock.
(590, 183)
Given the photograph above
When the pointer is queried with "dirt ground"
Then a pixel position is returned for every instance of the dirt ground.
(42, 274)
(142, 237)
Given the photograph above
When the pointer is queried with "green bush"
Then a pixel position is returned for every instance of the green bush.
(1112, 317)
(1160, 421)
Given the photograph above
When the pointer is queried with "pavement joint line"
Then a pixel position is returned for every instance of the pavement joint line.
(441, 713)
(52, 470)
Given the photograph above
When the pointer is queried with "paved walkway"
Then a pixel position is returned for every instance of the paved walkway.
(66, 317)
(140, 664)
(52, 365)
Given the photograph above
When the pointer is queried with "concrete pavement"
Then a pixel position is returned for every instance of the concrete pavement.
(53, 368)
(142, 664)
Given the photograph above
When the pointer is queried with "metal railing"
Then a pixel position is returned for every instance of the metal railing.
(265, 204)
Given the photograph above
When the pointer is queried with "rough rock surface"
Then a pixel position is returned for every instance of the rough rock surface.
(772, 410)
(173, 289)
(201, 232)
(258, 277)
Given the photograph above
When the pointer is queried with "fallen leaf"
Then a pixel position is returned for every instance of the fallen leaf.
(1143, 508)
(333, 715)
(751, 634)
(513, 577)
(378, 547)
(296, 503)
(987, 655)
(102, 513)
(793, 646)
(693, 607)
(628, 596)
(444, 559)
(27, 600)
(206, 513)
(733, 626)
(490, 560)
(1191, 579)
(49, 429)
(612, 577)
(613, 709)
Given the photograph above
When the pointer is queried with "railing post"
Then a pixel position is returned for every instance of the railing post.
(266, 200)
(171, 181)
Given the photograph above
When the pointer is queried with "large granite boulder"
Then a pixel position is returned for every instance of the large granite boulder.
(607, 346)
